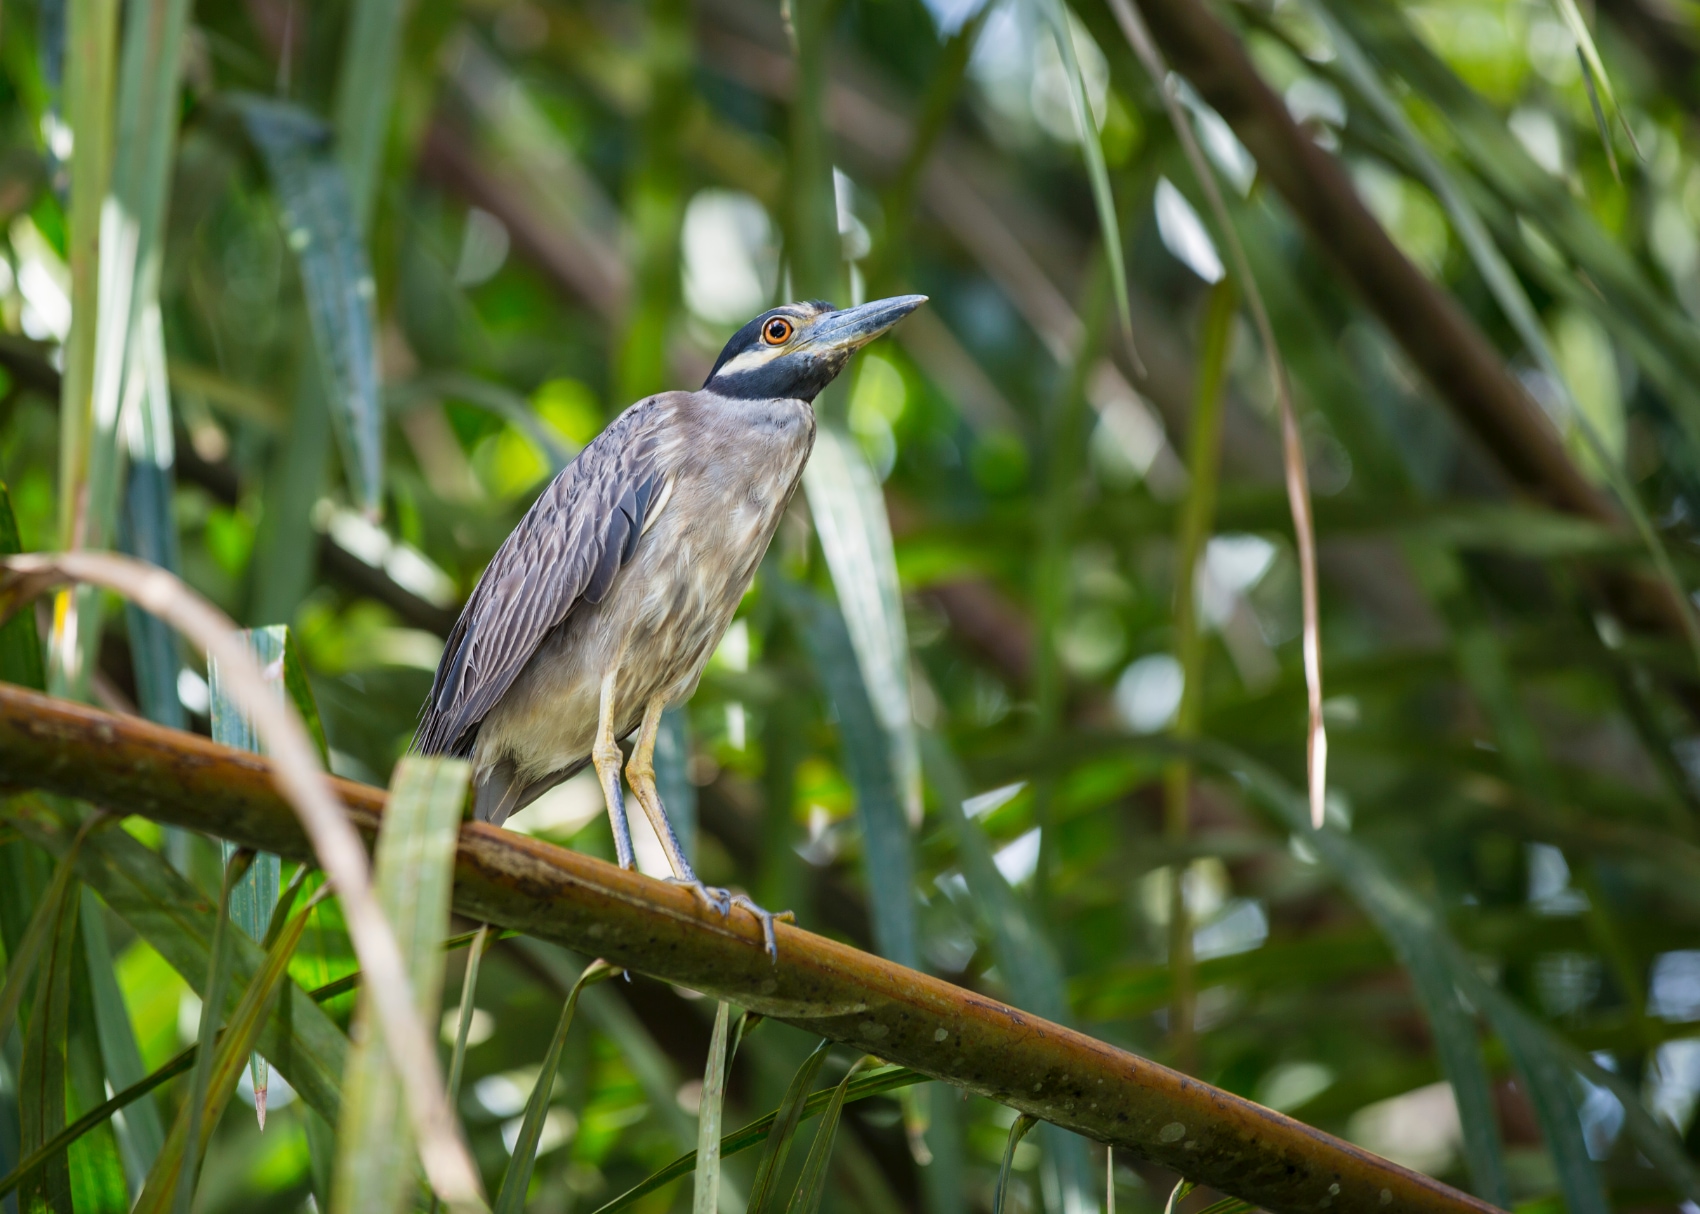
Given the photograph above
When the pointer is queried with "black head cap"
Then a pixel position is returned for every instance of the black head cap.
(795, 350)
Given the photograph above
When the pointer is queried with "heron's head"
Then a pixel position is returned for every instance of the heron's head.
(795, 350)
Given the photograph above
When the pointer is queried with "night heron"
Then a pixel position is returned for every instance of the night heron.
(603, 606)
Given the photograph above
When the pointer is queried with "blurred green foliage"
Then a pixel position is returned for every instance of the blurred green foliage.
(531, 212)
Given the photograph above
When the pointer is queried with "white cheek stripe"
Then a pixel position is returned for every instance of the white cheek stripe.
(654, 512)
(749, 360)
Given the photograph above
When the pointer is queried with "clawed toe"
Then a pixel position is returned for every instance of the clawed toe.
(767, 919)
(723, 900)
(715, 899)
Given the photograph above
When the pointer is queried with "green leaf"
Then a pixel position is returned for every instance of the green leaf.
(468, 1005)
(128, 367)
(756, 1133)
(811, 1187)
(492, 398)
(1594, 70)
(41, 1078)
(706, 1199)
(1444, 977)
(254, 904)
(413, 876)
(21, 961)
(764, 1192)
(511, 1198)
(1026, 960)
(1103, 198)
(98, 1175)
(888, 863)
(323, 229)
(87, 436)
(1508, 292)
(849, 514)
(286, 548)
(1228, 1205)
(218, 1068)
(179, 1065)
(20, 645)
(142, 1135)
(1017, 1132)
(615, 1020)
(1600, 125)
(364, 97)
(482, 939)
(153, 899)
(171, 1184)
(672, 776)
(148, 527)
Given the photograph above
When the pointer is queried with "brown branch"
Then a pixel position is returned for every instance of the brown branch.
(1054, 1073)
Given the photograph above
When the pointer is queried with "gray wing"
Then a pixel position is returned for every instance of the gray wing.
(567, 549)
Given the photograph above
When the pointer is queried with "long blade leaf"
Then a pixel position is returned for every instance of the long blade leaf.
(888, 863)
(706, 1198)
(511, 1198)
(41, 1077)
(323, 230)
(218, 1067)
(764, 1192)
(20, 644)
(871, 1083)
(415, 856)
(1103, 198)
(849, 515)
(811, 1186)
(141, 888)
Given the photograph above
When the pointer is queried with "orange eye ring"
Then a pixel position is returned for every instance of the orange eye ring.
(777, 331)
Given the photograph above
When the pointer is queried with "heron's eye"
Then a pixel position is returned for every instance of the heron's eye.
(777, 331)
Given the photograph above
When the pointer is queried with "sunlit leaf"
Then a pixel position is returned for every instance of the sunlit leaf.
(413, 878)
(88, 456)
(706, 1198)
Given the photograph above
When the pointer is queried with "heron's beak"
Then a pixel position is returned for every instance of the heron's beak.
(853, 328)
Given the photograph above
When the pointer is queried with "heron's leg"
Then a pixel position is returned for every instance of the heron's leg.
(606, 755)
(641, 773)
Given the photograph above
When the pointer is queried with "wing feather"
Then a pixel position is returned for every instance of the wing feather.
(569, 547)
